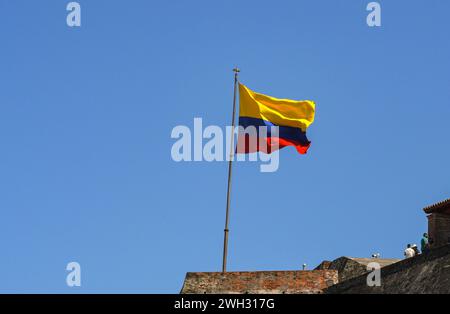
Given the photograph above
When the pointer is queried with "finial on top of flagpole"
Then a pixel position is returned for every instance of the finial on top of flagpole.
(236, 72)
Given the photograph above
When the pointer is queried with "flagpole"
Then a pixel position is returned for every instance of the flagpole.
(230, 164)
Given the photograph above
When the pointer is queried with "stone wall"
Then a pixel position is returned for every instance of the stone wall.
(347, 268)
(350, 267)
(425, 273)
(277, 282)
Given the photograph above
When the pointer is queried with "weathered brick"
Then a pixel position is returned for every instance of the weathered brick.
(306, 282)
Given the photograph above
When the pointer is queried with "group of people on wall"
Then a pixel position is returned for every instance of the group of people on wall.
(412, 249)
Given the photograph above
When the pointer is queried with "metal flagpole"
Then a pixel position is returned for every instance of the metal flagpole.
(230, 164)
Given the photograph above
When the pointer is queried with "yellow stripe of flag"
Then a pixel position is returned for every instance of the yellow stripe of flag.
(281, 112)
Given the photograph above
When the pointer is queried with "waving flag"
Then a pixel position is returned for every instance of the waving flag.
(292, 117)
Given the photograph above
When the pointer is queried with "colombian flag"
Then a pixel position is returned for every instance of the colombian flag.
(292, 117)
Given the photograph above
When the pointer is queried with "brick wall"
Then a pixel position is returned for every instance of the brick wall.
(439, 229)
(277, 282)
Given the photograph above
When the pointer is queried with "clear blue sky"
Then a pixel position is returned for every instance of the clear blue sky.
(86, 115)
